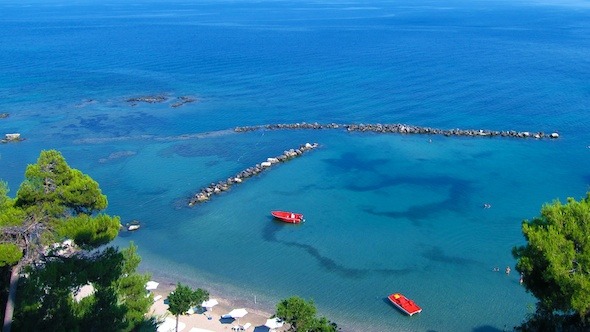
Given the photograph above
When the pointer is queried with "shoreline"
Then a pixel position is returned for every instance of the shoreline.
(257, 314)
(235, 296)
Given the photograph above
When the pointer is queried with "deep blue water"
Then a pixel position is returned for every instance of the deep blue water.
(385, 213)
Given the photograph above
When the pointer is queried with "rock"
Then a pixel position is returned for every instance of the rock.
(148, 99)
(183, 100)
(217, 188)
(12, 137)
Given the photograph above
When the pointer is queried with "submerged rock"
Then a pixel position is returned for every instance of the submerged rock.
(147, 99)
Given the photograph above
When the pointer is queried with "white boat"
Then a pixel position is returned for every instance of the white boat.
(133, 226)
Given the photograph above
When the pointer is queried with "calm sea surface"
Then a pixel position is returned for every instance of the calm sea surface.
(385, 213)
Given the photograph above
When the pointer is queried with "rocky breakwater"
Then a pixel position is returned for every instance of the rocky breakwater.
(399, 128)
(216, 188)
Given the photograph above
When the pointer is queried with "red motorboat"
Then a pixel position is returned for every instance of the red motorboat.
(404, 304)
(290, 217)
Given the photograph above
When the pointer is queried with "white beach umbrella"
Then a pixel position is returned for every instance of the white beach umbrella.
(238, 313)
(169, 325)
(196, 329)
(151, 285)
(273, 323)
(209, 304)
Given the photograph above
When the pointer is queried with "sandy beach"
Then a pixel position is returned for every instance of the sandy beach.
(201, 320)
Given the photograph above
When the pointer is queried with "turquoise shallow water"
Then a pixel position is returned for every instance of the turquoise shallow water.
(385, 213)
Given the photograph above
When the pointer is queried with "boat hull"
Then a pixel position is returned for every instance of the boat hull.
(288, 217)
(404, 304)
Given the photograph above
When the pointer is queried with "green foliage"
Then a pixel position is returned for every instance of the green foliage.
(56, 202)
(9, 215)
(104, 310)
(10, 254)
(131, 289)
(556, 262)
(119, 302)
(324, 325)
(88, 231)
(5, 203)
(57, 189)
(301, 316)
(53, 203)
(4, 199)
(149, 324)
(183, 298)
(297, 312)
(131, 259)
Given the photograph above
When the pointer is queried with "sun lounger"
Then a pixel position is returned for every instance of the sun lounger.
(157, 297)
(246, 326)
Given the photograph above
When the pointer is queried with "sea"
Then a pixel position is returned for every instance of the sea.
(384, 213)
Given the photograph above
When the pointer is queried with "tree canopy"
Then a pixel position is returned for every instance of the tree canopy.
(118, 300)
(555, 264)
(10, 253)
(55, 202)
(301, 316)
(183, 298)
(58, 189)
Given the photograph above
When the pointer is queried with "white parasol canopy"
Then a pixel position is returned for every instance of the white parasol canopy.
(151, 285)
(273, 323)
(238, 313)
(209, 304)
(169, 325)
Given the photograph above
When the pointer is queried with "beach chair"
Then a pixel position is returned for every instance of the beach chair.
(245, 327)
